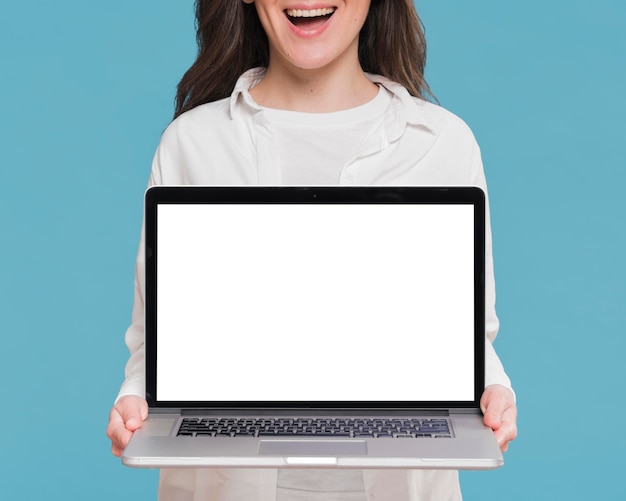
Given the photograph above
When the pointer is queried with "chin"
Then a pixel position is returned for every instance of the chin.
(312, 61)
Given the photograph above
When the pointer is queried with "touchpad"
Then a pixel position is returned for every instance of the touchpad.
(334, 448)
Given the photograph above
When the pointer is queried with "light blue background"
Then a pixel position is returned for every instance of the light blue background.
(86, 90)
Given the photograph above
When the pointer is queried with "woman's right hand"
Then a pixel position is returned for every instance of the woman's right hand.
(127, 415)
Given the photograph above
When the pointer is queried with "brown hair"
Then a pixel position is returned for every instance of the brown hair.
(231, 40)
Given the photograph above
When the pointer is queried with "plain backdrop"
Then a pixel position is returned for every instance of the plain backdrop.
(86, 89)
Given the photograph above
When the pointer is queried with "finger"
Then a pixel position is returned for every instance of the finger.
(508, 431)
(117, 433)
(505, 436)
(115, 421)
(117, 448)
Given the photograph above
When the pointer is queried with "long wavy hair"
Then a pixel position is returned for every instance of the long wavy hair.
(231, 40)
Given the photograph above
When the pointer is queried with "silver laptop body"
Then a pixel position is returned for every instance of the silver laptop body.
(314, 327)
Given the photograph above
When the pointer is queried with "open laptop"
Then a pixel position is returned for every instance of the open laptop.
(338, 327)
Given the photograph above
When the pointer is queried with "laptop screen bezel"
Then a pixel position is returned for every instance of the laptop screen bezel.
(158, 195)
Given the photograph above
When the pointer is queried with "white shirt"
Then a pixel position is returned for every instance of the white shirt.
(231, 142)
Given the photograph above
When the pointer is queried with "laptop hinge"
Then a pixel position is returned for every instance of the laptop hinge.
(316, 412)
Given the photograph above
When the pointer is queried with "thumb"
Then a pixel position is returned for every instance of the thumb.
(495, 402)
(493, 415)
(133, 411)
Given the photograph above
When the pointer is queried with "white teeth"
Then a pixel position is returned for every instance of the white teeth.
(310, 13)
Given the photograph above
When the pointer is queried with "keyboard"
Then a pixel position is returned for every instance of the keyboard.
(315, 427)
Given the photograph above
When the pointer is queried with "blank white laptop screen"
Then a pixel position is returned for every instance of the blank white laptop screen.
(314, 302)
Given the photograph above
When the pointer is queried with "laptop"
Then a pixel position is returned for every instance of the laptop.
(322, 327)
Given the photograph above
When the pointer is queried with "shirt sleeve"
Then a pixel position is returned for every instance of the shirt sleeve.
(494, 370)
(135, 375)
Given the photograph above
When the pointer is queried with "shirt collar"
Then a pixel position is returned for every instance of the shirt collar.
(241, 96)
(413, 111)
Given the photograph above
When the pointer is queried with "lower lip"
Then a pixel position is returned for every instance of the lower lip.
(309, 31)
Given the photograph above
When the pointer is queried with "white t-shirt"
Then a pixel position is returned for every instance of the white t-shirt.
(314, 147)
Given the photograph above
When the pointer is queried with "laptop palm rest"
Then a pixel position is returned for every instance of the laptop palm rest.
(334, 448)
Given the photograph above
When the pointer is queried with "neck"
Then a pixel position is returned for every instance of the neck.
(320, 90)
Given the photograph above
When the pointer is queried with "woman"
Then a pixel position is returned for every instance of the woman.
(311, 92)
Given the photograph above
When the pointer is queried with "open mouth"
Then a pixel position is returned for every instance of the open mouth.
(309, 18)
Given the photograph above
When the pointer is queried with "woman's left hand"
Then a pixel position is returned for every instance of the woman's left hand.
(500, 413)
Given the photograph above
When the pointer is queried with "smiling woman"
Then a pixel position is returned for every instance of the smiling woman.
(309, 92)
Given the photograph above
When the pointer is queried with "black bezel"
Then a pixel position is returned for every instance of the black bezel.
(320, 195)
